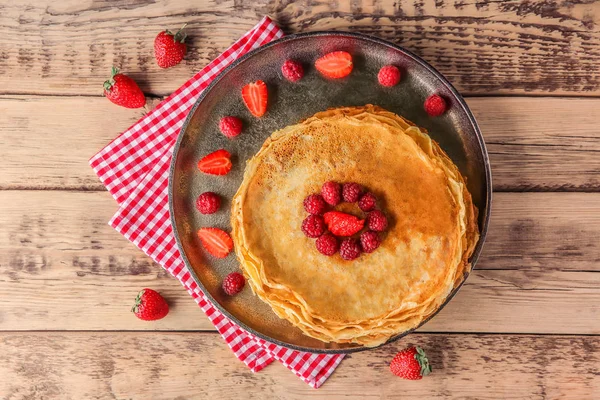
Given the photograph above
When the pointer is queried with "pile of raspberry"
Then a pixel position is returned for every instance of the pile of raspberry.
(336, 231)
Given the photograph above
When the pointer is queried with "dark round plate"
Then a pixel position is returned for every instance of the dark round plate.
(456, 132)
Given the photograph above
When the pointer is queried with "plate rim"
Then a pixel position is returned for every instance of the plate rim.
(422, 63)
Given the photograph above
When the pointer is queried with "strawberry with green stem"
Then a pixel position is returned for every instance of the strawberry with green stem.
(170, 48)
(123, 91)
(411, 363)
(150, 305)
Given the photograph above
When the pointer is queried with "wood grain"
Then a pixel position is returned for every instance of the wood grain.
(161, 366)
(534, 143)
(63, 267)
(67, 269)
(488, 47)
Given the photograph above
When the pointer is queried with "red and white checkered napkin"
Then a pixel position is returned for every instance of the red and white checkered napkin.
(135, 170)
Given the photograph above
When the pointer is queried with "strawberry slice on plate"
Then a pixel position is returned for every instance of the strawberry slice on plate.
(216, 163)
(337, 64)
(255, 96)
(215, 241)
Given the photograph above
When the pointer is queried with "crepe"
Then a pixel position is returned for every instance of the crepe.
(424, 252)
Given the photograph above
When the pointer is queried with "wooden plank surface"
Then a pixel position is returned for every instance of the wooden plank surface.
(65, 272)
(161, 366)
(534, 143)
(63, 265)
(488, 47)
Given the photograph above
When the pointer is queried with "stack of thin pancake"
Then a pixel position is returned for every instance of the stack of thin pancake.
(424, 253)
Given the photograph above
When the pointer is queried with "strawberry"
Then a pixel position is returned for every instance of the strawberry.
(150, 306)
(169, 48)
(342, 224)
(335, 65)
(123, 91)
(215, 241)
(411, 363)
(255, 97)
(216, 163)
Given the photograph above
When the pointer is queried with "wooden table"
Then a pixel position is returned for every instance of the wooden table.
(526, 323)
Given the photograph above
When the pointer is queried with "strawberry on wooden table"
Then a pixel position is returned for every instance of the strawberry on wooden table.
(255, 97)
(170, 48)
(216, 241)
(337, 64)
(216, 163)
(411, 363)
(150, 305)
(123, 91)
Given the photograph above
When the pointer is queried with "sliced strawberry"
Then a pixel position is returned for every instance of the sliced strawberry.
(215, 241)
(216, 163)
(342, 224)
(255, 96)
(335, 65)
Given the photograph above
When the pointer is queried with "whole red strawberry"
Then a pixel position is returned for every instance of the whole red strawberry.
(123, 91)
(411, 363)
(150, 306)
(169, 48)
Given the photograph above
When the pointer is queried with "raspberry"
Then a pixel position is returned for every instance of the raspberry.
(377, 221)
(332, 193)
(208, 203)
(234, 283)
(367, 202)
(314, 204)
(389, 76)
(292, 70)
(435, 105)
(230, 126)
(313, 226)
(369, 241)
(327, 244)
(351, 192)
(349, 249)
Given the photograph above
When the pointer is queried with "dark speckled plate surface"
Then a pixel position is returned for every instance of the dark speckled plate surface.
(456, 132)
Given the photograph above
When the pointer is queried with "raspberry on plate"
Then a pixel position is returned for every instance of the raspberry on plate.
(332, 193)
(234, 283)
(314, 204)
(377, 221)
(349, 249)
(208, 203)
(369, 241)
(292, 70)
(351, 192)
(367, 202)
(230, 126)
(313, 226)
(388, 76)
(435, 105)
(327, 244)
